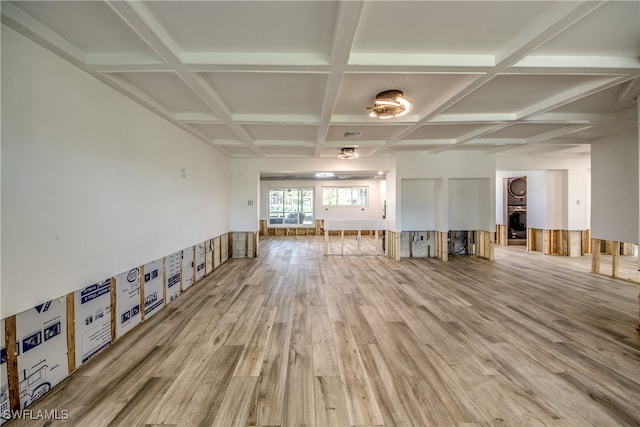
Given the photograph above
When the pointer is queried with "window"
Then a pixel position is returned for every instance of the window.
(344, 196)
(291, 206)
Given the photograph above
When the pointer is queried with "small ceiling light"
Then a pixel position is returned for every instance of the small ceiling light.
(348, 153)
(389, 104)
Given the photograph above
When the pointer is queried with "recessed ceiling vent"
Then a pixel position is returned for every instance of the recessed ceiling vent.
(351, 134)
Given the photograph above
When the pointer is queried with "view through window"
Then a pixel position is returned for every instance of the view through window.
(344, 196)
(291, 206)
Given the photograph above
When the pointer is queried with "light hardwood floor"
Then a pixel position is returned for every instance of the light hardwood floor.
(295, 338)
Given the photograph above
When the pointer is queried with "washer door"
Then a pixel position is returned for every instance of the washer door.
(518, 225)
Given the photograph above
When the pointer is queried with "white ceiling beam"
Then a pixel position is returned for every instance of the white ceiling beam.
(470, 118)
(259, 59)
(500, 141)
(562, 15)
(559, 17)
(348, 16)
(630, 91)
(277, 119)
(197, 118)
(256, 68)
(550, 149)
(421, 60)
(569, 96)
(22, 22)
(480, 132)
(285, 143)
(503, 148)
(129, 68)
(563, 131)
(144, 24)
(409, 142)
(122, 59)
(579, 62)
(571, 118)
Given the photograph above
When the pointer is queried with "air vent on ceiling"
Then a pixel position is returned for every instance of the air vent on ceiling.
(351, 134)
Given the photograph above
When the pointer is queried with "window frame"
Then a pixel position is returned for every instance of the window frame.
(352, 187)
(277, 218)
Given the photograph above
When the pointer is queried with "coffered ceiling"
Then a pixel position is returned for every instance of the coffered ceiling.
(289, 78)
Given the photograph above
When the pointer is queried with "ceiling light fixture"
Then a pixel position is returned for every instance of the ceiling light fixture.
(389, 104)
(348, 153)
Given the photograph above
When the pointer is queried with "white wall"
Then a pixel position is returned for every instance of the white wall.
(373, 210)
(537, 199)
(469, 206)
(418, 204)
(615, 189)
(245, 181)
(557, 199)
(91, 181)
(445, 167)
(572, 202)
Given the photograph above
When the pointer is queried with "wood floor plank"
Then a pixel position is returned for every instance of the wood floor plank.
(294, 337)
(250, 363)
(382, 380)
(236, 404)
(361, 402)
(269, 407)
(300, 409)
(330, 402)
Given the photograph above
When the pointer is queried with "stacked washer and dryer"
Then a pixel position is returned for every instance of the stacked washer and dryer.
(516, 189)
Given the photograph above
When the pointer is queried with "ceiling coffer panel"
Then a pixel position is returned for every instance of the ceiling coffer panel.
(269, 94)
(248, 26)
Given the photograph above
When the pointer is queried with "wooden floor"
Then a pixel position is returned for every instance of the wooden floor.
(295, 338)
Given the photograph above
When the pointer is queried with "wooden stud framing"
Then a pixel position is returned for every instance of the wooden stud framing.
(595, 258)
(615, 258)
(546, 242)
(164, 280)
(194, 280)
(445, 249)
(71, 332)
(181, 278)
(411, 237)
(11, 344)
(208, 257)
(586, 241)
(255, 245)
(638, 328)
(142, 292)
(574, 244)
(113, 305)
